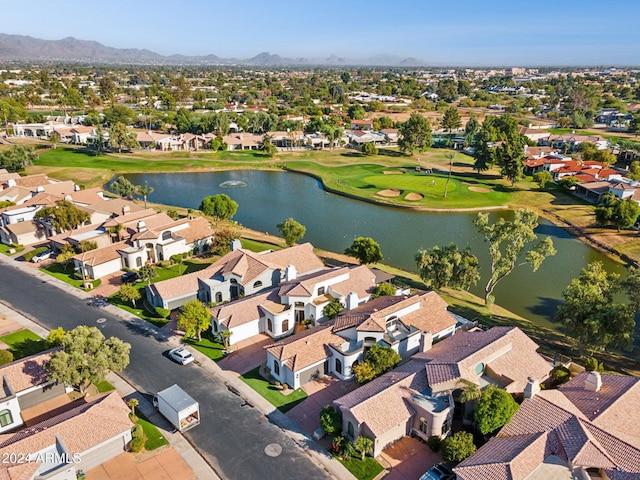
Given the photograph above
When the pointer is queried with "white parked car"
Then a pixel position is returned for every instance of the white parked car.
(42, 256)
(181, 356)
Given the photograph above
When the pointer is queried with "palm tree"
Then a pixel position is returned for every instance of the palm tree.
(226, 335)
(143, 191)
(363, 445)
(470, 393)
(446, 187)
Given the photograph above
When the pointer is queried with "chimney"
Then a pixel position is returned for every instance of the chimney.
(290, 273)
(76, 188)
(236, 245)
(352, 300)
(532, 388)
(126, 209)
(426, 341)
(141, 226)
(593, 382)
(11, 182)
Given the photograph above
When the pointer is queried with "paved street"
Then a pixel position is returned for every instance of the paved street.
(233, 434)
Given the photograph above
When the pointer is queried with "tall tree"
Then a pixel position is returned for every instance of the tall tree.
(144, 191)
(120, 138)
(510, 158)
(63, 216)
(451, 119)
(17, 158)
(415, 134)
(194, 318)
(591, 314)
(219, 206)
(87, 357)
(507, 243)
(365, 249)
(291, 230)
(448, 267)
(123, 187)
(471, 129)
(620, 213)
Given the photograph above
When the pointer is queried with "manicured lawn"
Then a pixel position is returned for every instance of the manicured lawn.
(256, 246)
(363, 470)
(213, 350)
(368, 180)
(284, 403)
(5, 249)
(68, 276)
(155, 439)
(24, 343)
(104, 386)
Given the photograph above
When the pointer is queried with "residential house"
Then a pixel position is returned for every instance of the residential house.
(586, 429)
(62, 447)
(25, 384)
(277, 311)
(398, 322)
(366, 125)
(238, 273)
(417, 398)
(146, 245)
(243, 141)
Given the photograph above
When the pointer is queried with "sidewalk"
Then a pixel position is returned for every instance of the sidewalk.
(197, 463)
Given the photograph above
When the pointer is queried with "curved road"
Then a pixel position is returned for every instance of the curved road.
(232, 435)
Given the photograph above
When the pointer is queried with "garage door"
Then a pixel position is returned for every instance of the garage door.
(103, 454)
(307, 375)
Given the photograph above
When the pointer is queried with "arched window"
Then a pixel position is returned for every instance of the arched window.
(166, 235)
(392, 324)
(5, 418)
(424, 427)
(338, 366)
(350, 430)
(276, 367)
(257, 284)
(139, 262)
(233, 280)
(285, 325)
(480, 369)
(218, 297)
(269, 325)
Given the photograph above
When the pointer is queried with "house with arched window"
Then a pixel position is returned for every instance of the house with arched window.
(418, 397)
(399, 322)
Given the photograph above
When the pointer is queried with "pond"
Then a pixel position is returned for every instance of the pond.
(266, 198)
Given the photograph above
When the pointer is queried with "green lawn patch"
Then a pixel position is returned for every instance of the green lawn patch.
(257, 246)
(366, 469)
(104, 386)
(24, 343)
(284, 403)
(155, 439)
(212, 349)
(6, 249)
(67, 275)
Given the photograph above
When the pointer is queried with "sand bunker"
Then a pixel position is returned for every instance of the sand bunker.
(390, 192)
(480, 189)
(392, 172)
(413, 197)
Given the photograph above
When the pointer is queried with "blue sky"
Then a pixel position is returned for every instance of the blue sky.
(463, 32)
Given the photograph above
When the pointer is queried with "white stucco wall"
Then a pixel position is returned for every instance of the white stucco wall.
(244, 331)
(14, 407)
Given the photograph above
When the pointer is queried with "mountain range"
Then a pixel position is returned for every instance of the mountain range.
(21, 48)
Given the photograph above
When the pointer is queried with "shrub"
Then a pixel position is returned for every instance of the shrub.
(5, 357)
(434, 442)
(330, 420)
(164, 263)
(137, 431)
(163, 312)
(593, 365)
(560, 375)
(457, 447)
(136, 444)
(177, 258)
(54, 339)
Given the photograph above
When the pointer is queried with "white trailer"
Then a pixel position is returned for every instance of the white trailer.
(178, 407)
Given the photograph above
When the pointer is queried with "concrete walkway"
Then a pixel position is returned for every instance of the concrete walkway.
(200, 467)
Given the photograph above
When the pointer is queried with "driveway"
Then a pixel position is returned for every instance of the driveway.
(408, 459)
(248, 354)
(320, 392)
(162, 464)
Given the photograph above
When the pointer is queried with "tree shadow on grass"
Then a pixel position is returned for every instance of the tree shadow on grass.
(390, 153)
(28, 347)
